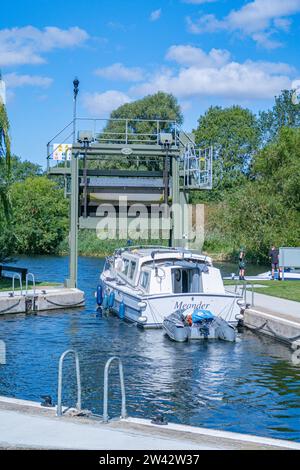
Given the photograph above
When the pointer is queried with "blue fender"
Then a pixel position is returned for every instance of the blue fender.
(105, 301)
(122, 310)
(99, 295)
(111, 299)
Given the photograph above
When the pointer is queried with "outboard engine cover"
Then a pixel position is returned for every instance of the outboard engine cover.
(200, 315)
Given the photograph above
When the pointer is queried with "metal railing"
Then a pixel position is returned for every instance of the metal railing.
(195, 162)
(197, 167)
(105, 395)
(28, 275)
(59, 411)
(241, 289)
(121, 131)
(18, 276)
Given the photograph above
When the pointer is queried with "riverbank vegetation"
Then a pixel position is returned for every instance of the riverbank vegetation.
(90, 245)
(256, 197)
(284, 289)
(255, 200)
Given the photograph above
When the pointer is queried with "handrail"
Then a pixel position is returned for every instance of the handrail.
(123, 394)
(33, 282)
(107, 120)
(13, 283)
(59, 390)
(60, 132)
(243, 293)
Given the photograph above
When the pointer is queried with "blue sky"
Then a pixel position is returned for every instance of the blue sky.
(206, 52)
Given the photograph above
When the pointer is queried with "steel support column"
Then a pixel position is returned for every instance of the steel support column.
(176, 222)
(73, 236)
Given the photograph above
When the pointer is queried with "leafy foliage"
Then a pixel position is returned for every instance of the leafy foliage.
(40, 215)
(20, 170)
(6, 239)
(141, 116)
(283, 114)
(265, 210)
(234, 134)
(4, 134)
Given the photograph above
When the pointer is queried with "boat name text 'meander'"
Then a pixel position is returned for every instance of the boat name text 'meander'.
(182, 306)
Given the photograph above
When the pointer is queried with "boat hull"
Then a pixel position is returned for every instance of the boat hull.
(149, 311)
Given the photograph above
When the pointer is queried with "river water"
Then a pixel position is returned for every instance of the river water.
(250, 386)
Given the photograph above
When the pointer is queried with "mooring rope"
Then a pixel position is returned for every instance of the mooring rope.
(64, 305)
(266, 324)
(11, 307)
(258, 328)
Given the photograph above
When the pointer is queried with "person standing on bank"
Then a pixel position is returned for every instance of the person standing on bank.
(274, 258)
(242, 264)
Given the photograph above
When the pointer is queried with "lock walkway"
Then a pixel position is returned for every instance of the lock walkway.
(40, 299)
(272, 316)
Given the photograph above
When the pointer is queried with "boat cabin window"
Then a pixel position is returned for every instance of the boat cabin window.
(125, 266)
(186, 281)
(144, 280)
(132, 269)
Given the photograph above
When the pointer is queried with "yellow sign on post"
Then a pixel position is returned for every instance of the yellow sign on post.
(62, 152)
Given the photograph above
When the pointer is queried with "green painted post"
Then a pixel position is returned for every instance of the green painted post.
(73, 237)
(175, 199)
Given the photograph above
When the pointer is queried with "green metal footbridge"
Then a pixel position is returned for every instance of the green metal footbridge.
(146, 161)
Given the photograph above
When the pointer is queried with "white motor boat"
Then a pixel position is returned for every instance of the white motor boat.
(145, 284)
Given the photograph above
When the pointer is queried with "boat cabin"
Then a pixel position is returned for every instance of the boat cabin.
(168, 272)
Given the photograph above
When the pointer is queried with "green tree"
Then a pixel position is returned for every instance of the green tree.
(266, 209)
(255, 218)
(141, 126)
(283, 114)
(20, 170)
(40, 215)
(278, 165)
(6, 236)
(234, 134)
(4, 134)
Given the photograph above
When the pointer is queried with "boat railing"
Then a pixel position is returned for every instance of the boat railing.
(242, 288)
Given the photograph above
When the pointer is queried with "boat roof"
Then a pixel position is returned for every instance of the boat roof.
(153, 252)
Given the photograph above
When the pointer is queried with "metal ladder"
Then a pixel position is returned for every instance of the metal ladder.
(59, 411)
(123, 393)
(28, 275)
(18, 276)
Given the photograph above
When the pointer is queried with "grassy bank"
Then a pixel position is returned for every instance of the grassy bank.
(90, 245)
(289, 290)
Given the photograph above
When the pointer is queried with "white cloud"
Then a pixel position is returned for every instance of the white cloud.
(205, 24)
(101, 104)
(119, 72)
(26, 45)
(190, 55)
(259, 19)
(14, 80)
(155, 15)
(199, 2)
(215, 76)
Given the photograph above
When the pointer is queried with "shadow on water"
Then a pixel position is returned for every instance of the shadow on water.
(250, 386)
